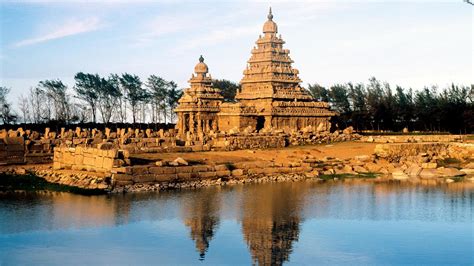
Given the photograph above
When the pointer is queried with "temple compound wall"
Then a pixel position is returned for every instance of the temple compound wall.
(270, 97)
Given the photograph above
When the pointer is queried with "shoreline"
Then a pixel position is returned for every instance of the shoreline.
(223, 182)
(428, 163)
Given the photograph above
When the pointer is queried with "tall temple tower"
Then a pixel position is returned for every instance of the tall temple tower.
(270, 96)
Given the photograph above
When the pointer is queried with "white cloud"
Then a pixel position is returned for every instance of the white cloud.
(220, 35)
(69, 28)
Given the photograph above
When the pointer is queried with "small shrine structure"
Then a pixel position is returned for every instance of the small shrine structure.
(198, 107)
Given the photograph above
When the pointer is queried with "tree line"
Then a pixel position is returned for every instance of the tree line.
(379, 106)
(375, 105)
(115, 98)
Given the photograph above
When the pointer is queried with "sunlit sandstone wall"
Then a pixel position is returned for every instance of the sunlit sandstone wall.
(12, 150)
(249, 142)
(150, 174)
(399, 150)
(81, 158)
(412, 138)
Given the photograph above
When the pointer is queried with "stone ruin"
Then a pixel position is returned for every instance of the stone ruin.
(270, 98)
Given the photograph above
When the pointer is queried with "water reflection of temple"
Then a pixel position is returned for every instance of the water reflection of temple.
(201, 214)
(271, 217)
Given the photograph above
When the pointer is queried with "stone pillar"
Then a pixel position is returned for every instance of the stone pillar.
(268, 122)
(78, 132)
(199, 124)
(191, 122)
(46, 133)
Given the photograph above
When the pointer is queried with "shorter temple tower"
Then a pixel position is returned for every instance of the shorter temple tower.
(198, 107)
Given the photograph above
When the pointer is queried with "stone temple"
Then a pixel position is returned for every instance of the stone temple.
(270, 97)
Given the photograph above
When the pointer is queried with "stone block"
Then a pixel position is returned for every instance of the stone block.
(184, 169)
(120, 170)
(207, 174)
(68, 157)
(162, 170)
(283, 170)
(255, 171)
(140, 170)
(223, 173)
(56, 165)
(164, 177)
(202, 168)
(221, 167)
(112, 153)
(108, 163)
(99, 161)
(144, 178)
(237, 172)
(184, 176)
(76, 167)
(89, 160)
(123, 183)
(79, 159)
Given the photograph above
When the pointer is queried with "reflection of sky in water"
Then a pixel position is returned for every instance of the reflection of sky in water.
(296, 223)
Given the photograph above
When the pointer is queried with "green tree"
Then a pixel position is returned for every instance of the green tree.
(56, 92)
(228, 88)
(318, 92)
(134, 93)
(108, 93)
(157, 87)
(6, 114)
(87, 89)
(357, 97)
(172, 98)
(426, 105)
(404, 107)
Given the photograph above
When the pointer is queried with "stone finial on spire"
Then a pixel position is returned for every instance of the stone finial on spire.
(201, 59)
(270, 15)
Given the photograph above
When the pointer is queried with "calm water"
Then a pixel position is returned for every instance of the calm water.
(290, 223)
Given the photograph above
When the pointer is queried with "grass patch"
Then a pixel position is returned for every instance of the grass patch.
(457, 178)
(31, 182)
(449, 162)
(349, 176)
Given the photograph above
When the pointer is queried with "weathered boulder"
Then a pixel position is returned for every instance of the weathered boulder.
(429, 173)
(413, 170)
(348, 130)
(429, 165)
(468, 171)
(363, 158)
(360, 169)
(160, 163)
(398, 174)
(469, 166)
(450, 172)
(179, 161)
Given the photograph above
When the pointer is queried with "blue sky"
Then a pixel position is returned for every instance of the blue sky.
(410, 43)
